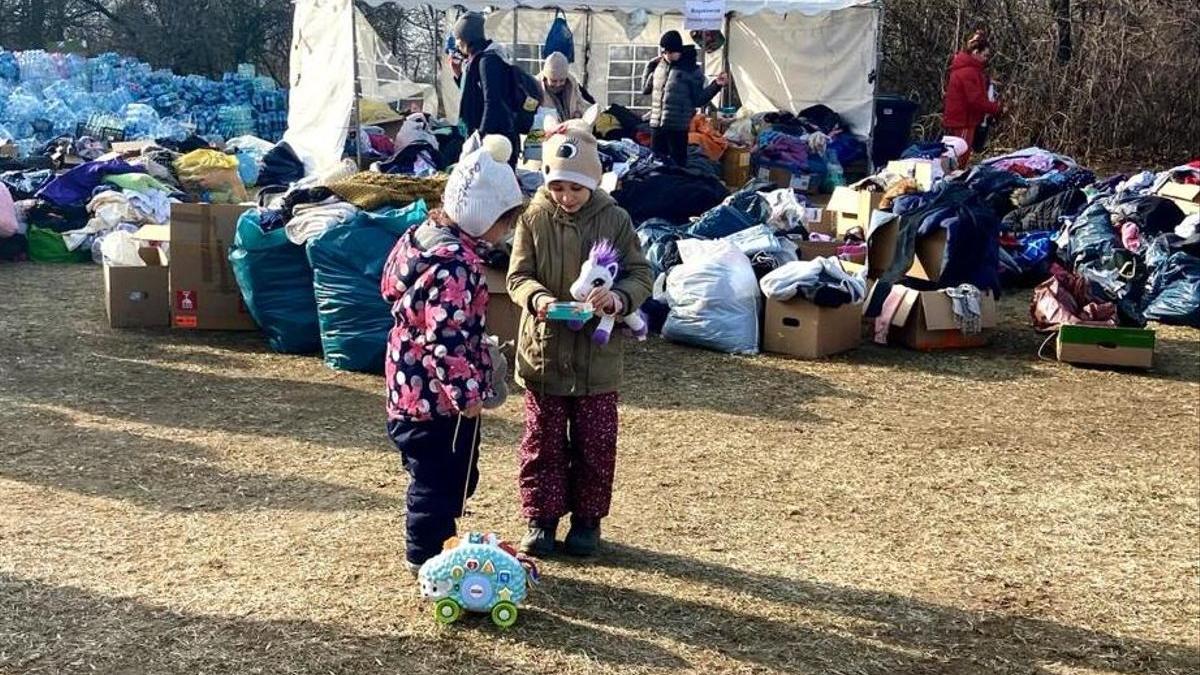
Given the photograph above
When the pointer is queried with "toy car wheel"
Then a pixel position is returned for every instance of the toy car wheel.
(504, 614)
(447, 611)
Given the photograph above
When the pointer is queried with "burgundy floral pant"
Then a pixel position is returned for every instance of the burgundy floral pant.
(568, 456)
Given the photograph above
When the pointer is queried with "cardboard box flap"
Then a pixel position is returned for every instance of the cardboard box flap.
(153, 233)
(1181, 191)
(152, 256)
(844, 200)
(906, 307)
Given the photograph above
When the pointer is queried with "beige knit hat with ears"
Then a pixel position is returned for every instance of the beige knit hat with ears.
(556, 67)
(570, 154)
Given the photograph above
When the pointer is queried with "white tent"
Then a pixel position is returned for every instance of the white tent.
(782, 55)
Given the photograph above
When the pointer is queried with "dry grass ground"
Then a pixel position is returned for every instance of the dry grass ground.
(191, 503)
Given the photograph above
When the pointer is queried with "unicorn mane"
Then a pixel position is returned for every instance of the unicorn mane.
(603, 254)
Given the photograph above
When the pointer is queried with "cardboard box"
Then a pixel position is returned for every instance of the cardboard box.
(735, 166)
(930, 256)
(924, 321)
(852, 208)
(137, 297)
(8, 151)
(925, 171)
(503, 316)
(801, 329)
(929, 253)
(124, 148)
(1102, 346)
(204, 293)
(783, 178)
(820, 220)
(811, 250)
(1186, 196)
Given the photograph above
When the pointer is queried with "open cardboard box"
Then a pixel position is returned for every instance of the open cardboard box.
(802, 329)
(924, 321)
(783, 179)
(1104, 346)
(929, 253)
(1186, 196)
(925, 172)
(204, 292)
(852, 208)
(735, 166)
(137, 297)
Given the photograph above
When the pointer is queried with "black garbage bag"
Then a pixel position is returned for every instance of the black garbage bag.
(1089, 237)
(1173, 291)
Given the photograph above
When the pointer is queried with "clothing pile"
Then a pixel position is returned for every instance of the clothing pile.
(822, 281)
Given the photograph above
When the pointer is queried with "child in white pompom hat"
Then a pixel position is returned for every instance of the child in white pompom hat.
(439, 367)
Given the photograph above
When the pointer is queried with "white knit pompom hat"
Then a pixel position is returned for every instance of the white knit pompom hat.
(482, 187)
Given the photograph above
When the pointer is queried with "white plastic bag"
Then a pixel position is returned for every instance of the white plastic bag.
(714, 298)
(120, 249)
(741, 129)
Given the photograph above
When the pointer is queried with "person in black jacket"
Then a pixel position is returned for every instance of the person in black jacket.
(486, 80)
(675, 84)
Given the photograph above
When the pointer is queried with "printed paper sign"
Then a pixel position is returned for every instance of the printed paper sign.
(704, 14)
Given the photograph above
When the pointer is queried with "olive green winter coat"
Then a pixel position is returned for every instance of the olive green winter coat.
(549, 247)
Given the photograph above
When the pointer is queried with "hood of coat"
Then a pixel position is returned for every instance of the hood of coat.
(963, 60)
(601, 200)
(689, 59)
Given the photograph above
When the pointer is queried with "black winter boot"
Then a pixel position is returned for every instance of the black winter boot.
(583, 539)
(539, 540)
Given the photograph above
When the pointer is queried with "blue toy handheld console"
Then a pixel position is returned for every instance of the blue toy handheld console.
(570, 311)
(478, 573)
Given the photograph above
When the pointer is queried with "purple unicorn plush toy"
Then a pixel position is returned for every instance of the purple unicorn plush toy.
(600, 270)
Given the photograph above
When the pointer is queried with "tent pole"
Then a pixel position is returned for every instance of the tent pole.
(514, 40)
(587, 47)
(727, 92)
(879, 16)
(358, 151)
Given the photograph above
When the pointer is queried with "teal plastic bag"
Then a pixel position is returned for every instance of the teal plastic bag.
(347, 263)
(277, 286)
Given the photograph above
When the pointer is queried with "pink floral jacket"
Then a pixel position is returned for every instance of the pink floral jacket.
(437, 362)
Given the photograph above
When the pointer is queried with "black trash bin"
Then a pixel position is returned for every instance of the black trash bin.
(894, 117)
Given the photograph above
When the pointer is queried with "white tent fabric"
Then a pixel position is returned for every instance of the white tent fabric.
(793, 62)
(782, 55)
(745, 7)
(321, 94)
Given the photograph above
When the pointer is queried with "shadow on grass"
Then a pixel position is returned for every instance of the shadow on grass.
(169, 475)
(63, 629)
(879, 632)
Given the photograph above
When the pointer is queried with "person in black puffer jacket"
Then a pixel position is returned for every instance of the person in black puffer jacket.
(487, 82)
(675, 84)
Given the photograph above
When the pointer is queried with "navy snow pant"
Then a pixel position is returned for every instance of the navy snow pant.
(443, 472)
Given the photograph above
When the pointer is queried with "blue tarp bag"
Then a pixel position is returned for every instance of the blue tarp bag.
(560, 38)
(347, 263)
(277, 286)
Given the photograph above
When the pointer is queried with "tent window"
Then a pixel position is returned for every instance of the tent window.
(529, 57)
(626, 64)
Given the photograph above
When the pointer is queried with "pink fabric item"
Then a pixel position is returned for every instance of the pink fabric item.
(8, 213)
(1131, 237)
